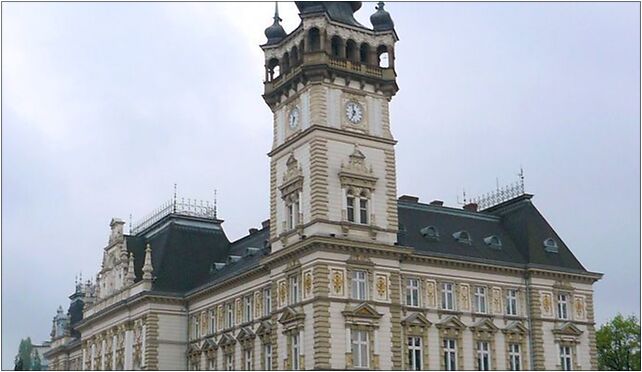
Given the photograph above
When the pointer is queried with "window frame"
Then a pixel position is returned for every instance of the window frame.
(562, 306)
(267, 301)
(566, 357)
(415, 353)
(359, 285)
(479, 300)
(359, 341)
(449, 353)
(447, 296)
(412, 292)
(267, 357)
(296, 350)
(248, 305)
(514, 357)
(511, 302)
(483, 355)
(294, 295)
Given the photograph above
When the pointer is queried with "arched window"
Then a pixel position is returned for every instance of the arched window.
(286, 62)
(550, 245)
(294, 56)
(364, 52)
(463, 237)
(314, 39)
(493, 241)
(383, 56)
(273, 69)
(351, 50)
(429, 232)
(335, 46)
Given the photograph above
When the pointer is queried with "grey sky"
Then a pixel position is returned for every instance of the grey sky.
(106, 105)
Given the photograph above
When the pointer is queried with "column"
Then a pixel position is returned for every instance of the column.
(129, 363)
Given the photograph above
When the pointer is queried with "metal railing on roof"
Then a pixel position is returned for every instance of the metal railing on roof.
(501, 194)
(189, 207)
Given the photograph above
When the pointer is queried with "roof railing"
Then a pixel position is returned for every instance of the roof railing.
(189, 207)
(501, 194)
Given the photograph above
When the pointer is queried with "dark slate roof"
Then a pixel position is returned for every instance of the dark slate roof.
(519, 225)
(339, 11)
(183, 250)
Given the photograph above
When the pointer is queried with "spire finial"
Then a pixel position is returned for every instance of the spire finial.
(147, 267)
(130, 270)
(276, 12)
(380, 5)
(174, 206)
(215, 205)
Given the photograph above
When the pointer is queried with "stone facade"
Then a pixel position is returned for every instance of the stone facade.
(336, 290)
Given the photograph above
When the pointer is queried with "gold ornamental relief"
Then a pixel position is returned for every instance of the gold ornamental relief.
(382, 286)
(307, 283)
(220, 316)
(337, 282)
(546, 302)
(579, 307)
(258, 304)
(430, 293)
(283, 291)
(497, 302)
(239, 310)
(463, 295)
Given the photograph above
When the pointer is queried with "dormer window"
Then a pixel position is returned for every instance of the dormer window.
(429, 232)
(550, 245)
(462, 237)
(493, 241)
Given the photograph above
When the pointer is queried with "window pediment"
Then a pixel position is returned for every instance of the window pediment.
(451, 322)
(567, 329)
(290, 316)
(515, 328)
(292, 178)
(484, 327)
(226, 340)
(209, 344)
(245, 334)
(355, 173)
(193, 350)
(264, 329)
(362, 315)
(417, 320)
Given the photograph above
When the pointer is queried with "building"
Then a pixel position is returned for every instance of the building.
(343, 275)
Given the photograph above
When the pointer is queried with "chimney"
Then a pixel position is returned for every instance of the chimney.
(265, 224)
(471, 207)
(438, 203)
(409, 199)
(253, 230)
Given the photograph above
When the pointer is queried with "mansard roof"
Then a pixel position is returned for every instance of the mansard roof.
(517, 223)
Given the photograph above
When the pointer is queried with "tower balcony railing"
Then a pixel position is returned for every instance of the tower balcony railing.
(322, 58)
(189, 207)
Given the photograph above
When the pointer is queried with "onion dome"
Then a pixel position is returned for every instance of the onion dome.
(381, 20)
(275, 32)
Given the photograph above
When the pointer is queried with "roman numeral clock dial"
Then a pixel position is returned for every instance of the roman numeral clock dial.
(354, 112)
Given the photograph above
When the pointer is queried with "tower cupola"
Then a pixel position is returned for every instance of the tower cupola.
(275, 33)
(381, 20)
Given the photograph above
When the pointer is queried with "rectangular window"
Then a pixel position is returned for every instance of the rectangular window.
(480, 300)
(248, 308)
(229, 362)
(211, 364)
(267, 302)
(296, 351)
(350, 208)
(562, 306)
(294, 289)
(267, 357)
(363, 211)
(511, 302)
(447, 299)
(197, 328)
(230, 316)
(290, 216)
(450, 354)
(483, 356)
(213, 321)
(359, 285)
(359, 349)
(514, 357)
(412, 293)
(565, 358)
(414, 353)
(248, 359)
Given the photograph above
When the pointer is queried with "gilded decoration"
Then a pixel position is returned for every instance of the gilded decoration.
(547, 304)
(258, 304)
(579, 307)
(239, 310)
(463, 296)
(337, 282)
(497, 300)
(430, 293)
(220, 316)
(382, 286)
(356, 173)
(203, 323)
(307, 283)
(283, 292)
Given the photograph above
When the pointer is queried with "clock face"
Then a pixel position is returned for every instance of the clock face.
(293, 119)
(354, 112)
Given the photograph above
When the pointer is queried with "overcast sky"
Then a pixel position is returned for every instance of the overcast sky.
(106, 105)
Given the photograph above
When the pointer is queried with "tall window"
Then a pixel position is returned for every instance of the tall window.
(447, 299)
(229, 362)
(412, 292)
(197, 328)
(213, 321)
(483, 356)
(511, 302)
(267, 357)
(230, 316)
(359, 285)
(211, 364)
(450, 354)
(363, 210)
(292, 210)
(294, 289)
(480, 300)
(565, 358)
(562, 306)
(350, 207)
(248, 308)
(514, 357)
(359, 349)
(414, 353)
(357, 208)
(296, 351)
(267, 302)
(248, 359)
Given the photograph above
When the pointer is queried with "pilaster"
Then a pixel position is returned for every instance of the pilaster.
(321, 315)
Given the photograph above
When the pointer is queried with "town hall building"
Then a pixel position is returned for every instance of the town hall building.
(344, 274)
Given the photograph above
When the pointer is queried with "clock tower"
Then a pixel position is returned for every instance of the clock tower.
(329, 83)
